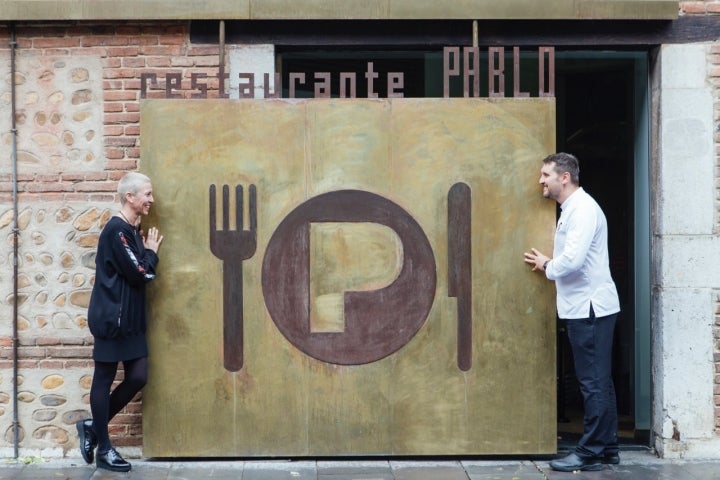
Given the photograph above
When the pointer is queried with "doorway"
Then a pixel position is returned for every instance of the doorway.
(602, 118)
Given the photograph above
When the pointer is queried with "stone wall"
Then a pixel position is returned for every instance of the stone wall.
(684, 239)
(78, 114)
(712, 7)
(714, 62)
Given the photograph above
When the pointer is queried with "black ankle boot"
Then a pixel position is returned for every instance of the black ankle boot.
(111, 460)
(88, 442)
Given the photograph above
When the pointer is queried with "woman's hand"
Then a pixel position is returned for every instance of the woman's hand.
(153, 239)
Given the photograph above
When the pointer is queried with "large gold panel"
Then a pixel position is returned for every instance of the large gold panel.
(351, 292)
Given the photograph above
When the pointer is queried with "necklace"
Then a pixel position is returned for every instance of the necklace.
(124, 217)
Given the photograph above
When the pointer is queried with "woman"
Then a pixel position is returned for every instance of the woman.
(125, 263)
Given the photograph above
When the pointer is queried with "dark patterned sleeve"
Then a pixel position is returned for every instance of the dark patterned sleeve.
(135, 263)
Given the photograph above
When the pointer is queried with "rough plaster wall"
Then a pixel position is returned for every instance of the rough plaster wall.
(59, 114)
(57, 265)
(59, 125)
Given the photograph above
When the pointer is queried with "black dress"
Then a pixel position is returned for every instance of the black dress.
(116, 315)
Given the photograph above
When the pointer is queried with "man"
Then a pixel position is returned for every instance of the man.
(587, 301)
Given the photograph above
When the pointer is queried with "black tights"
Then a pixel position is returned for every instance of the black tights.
(105, 405)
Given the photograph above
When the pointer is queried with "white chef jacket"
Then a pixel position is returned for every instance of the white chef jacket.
(580, 266)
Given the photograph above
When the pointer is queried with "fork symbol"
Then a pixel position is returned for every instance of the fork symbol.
(232, 247)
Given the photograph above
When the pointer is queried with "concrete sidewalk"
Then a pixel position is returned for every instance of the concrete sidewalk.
(635, 465)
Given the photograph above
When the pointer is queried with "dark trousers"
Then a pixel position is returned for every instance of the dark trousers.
(591, 340)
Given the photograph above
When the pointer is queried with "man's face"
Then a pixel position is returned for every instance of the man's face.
(552, 182)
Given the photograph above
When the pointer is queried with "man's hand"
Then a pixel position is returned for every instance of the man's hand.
(536, 259)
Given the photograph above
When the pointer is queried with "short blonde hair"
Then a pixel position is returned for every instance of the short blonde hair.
(131, 183)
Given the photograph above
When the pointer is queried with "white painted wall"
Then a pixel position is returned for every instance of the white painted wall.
(257, 59)
(686, 261)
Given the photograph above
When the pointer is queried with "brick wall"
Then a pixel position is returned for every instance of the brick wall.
(79, 96)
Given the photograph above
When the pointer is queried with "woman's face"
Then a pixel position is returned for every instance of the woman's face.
(142, 200)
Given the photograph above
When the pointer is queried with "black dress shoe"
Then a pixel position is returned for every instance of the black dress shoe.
(111, 460)
(611, 458)
(88, 442)
(573, 462)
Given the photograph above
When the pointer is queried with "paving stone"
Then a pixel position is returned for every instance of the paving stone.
(202, 470)
(431, 472)
(9, 471)
(339, 466)
(42, 473)
(354, 470)
(279, 470)
(357, 476)
(149, 472)
(665, 472)
(606, 473)
(503, 470)
(703, 471)
(507, 476)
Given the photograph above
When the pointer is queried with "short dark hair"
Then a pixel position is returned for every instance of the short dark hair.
(565, 162)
